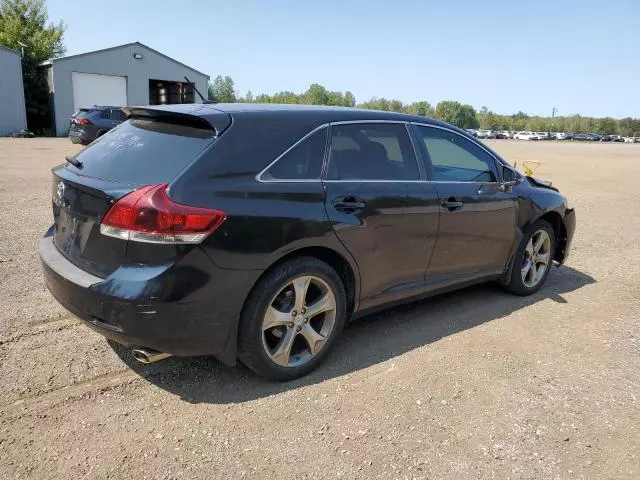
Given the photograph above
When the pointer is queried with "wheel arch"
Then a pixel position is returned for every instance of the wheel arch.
(560, 233)
(556, 221)
(347, 270)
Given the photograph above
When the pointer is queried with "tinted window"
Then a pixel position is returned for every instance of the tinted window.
(371, 151)
(143, 152)
(118, 115)
(104, 113)
(454, 158)
(302, 162)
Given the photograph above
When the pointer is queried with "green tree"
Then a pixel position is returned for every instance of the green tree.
(26, 21)
(249, 98)
(607, 126)
(397, 106)
(519, 121)
(222, 90)
(423, 109)
(316, 95)
(349, 99)
(463, 116)
(629, 127)
(489, 120)
(263, 98)
(385, 105)
(335, 99)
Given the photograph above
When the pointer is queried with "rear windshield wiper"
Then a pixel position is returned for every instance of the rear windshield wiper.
(73, 161)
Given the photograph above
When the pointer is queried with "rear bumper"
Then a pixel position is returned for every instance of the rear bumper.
(188, 308)
(80, 136)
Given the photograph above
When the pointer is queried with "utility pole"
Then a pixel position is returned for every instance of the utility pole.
(553, 114)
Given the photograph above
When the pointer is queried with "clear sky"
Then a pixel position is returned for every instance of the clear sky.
(582, 56)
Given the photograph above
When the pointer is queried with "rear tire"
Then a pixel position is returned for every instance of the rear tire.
(292, 319)
(533, 259)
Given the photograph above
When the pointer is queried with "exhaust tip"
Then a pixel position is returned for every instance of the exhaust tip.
(145, 355)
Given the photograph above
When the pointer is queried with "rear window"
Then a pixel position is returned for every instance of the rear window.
(144, 151)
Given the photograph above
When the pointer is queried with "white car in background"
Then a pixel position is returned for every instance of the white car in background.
(526, 136)
(542, 135)
(486, 134)
(561, 135)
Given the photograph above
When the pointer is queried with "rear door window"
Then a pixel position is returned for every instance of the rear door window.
(371, 151)
(144, 151)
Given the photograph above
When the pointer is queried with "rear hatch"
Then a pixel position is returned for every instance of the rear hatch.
(151, 148)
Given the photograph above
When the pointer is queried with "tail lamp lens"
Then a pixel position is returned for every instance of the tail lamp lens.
(149, 215)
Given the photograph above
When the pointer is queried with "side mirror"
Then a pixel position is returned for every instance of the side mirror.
(509, 179)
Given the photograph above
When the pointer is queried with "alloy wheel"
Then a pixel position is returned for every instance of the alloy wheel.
(536, 258)
(299, 321)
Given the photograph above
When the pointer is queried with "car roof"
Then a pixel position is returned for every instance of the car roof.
(321, 113)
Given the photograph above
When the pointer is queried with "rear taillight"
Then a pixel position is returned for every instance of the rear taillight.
(82, 121)
(149, 215)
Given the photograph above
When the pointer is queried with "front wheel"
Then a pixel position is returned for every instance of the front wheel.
(533, 259)
(292, 319)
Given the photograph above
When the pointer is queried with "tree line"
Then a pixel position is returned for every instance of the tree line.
(222, 90)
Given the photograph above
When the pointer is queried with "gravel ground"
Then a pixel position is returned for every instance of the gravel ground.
(473, 384)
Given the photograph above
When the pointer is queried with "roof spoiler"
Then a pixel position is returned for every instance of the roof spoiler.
(211, 119)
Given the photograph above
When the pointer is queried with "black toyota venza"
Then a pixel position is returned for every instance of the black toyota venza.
(257, 231)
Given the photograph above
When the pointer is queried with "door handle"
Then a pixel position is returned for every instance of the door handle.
(348, 203)
(451, 204)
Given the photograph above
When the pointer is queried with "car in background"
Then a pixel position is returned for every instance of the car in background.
(472, 131)
(594, 137)
(87, 124)
(543, 135)
(582, 137)
(562, 136)
(615, 138)
(194, 230)
(525, 136)
(486, 134)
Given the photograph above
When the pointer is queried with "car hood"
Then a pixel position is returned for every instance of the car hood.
(537, 182)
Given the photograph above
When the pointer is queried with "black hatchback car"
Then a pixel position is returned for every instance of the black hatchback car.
(257, 231)
(87, 124)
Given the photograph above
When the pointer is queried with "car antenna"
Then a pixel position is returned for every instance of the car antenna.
(73, 161)
(204, 100)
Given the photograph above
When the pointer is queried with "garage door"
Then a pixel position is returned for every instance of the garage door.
(90, 89)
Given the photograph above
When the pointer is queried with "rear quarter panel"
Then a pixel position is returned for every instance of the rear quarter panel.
(265, 221)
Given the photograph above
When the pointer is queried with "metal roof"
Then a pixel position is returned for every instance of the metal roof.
(10, 50)
(60, 59)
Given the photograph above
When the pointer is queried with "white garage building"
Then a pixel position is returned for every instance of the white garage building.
(131, 74)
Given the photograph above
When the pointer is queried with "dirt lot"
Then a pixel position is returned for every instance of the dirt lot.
(475, 384)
